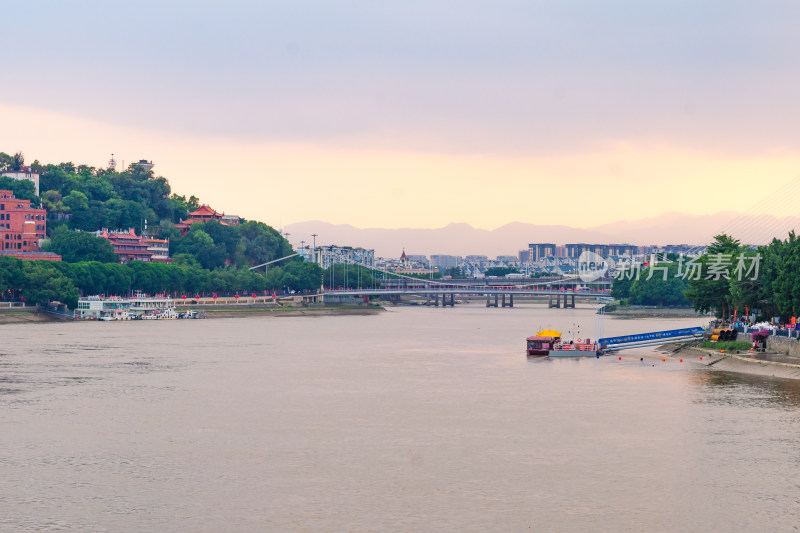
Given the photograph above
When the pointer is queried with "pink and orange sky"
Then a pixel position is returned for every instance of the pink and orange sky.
(417, 114)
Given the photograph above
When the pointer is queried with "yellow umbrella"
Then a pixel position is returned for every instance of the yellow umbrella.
(549, 333)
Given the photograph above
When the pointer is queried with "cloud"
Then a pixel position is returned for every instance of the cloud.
(508, 78)
(280, 183)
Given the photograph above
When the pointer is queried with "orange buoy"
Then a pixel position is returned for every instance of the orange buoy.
(681, 360)
(723, 351)
(701, 357)
(662, 359)
(620, 358)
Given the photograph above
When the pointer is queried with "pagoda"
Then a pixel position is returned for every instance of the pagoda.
(203, 214)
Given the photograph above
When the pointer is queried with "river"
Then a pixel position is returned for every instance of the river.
(415, 419)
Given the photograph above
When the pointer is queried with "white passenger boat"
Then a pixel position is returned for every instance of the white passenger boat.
(135, 308)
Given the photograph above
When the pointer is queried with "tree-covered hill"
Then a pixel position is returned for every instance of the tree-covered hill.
(104, 198)
(87, 198)
(210, 257)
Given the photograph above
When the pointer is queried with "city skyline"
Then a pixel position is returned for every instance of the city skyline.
(417, 115)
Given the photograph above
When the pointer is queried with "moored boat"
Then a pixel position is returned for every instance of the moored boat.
(541, 343)
(576, 349)
(137, 308)
(548, 343)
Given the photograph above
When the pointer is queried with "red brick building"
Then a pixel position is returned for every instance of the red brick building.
(21, 226)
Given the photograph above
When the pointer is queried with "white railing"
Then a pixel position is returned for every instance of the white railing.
(13, 305)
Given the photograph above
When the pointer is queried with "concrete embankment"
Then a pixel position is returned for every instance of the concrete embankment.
(761, 364)
(654, 312)
(23, 315)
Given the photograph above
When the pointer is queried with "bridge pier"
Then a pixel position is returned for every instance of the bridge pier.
(510, 300)
(572, 305)
(557, 303)
(452, 302)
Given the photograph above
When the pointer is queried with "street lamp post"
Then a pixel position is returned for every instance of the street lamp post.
(314, 258)
(315, 247)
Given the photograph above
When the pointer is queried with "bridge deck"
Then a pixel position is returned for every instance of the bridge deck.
(482, 290)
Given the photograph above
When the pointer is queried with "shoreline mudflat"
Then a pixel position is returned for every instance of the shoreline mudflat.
(19, 316)
(780, 366)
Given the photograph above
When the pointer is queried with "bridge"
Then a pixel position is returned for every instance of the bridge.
(498, 292)
(496, 295)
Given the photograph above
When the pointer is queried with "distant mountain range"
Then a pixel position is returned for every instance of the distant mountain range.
(463, 239)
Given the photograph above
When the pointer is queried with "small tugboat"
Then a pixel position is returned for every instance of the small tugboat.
(541, 343)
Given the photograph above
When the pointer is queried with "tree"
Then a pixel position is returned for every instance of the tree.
(199, 244)
(622, 286)
(100, 189)
(225, 236)
(308, 276)
(755, 291)
(782, 275)
(76, 201)
(76, 246)
(53, 202)
(17, 161)
(653, 289)
(454, 272)
(710, 291)
(181, 207)
(500, 271)
(22, 189)
(262, 243)
(5, 161)
(53, 178)
(43, 284)
(118, 278)
(12, 278)
(348, 276)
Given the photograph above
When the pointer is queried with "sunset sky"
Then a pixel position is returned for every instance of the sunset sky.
(416, 114)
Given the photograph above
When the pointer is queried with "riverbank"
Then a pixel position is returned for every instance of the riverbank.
(20, 316)
(655, 312)
(755, 363)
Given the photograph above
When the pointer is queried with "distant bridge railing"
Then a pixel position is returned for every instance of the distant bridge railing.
(470, 289)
